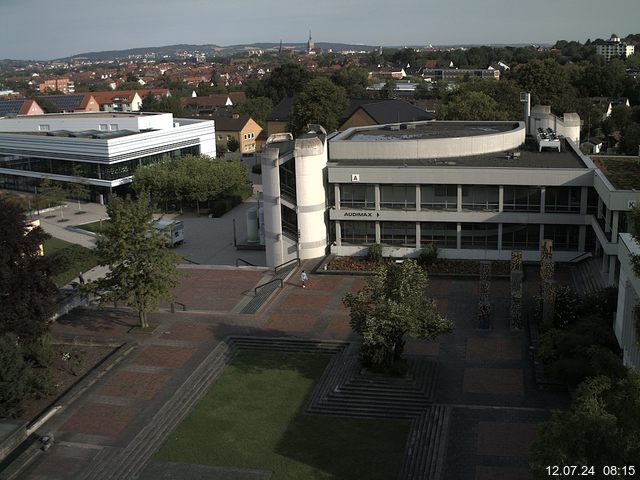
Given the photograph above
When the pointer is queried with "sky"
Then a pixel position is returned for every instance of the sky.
(45, 30)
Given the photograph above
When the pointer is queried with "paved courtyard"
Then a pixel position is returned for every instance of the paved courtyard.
(484, 376)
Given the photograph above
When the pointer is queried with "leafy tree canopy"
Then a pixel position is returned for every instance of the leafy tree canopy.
(285, 81)
(602, 428)
(548, 84)
(27, 293)
(142, 270)
(321, 102)
(391, 305)
(257, 108)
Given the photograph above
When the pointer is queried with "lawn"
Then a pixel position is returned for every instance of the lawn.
(252, 418)
(76, 259)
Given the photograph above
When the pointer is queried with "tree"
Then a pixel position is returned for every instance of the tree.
(321, 102)
(27, 293)
(391, 305)
(602, 428)
(548, 84)
(285, 81)
(470, 106)
(79, 187)
(13, 377)
(630, 144)
(142, 270)
(389, 89)
(257, 108)
(233, 145)
(354, 80)
(50, 193)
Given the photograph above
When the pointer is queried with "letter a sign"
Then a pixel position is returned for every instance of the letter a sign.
(355, 177)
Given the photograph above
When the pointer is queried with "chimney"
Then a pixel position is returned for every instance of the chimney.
(235, 116)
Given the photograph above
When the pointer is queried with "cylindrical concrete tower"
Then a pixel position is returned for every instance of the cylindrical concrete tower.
(274, 244)
(311, 160)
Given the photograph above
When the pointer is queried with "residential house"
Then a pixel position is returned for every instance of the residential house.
(119, 100)
(81, 102)
(64, 85)
(614, 48)
(210, 104)
(365, 112)
(242, 128)
(23, 106)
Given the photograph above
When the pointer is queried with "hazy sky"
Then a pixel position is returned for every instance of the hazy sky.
(39, 29)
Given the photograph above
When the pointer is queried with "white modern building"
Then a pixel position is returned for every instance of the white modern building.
(477, 190)
(102, 148)
(614, 48)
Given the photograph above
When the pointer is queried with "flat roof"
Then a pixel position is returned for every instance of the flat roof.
(622, 172)
(526, 156)
(89, 114)
(428, 130)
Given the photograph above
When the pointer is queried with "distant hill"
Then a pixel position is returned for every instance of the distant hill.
(210, 50)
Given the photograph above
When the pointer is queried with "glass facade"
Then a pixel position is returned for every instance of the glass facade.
(483, 236)
(520, 236)
(564, 237)
(288, 179)
(98, 171)
(398, 233)
(442, 235)
(400, 197)
(439, 197)
(289, 222)
(521, 199)
(480, 197)
(562, 200)
(358, 196)
(358, 233)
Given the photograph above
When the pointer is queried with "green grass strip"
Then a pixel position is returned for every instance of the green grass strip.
(253, 418)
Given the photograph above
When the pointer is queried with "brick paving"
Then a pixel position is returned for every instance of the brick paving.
(484, 375)
(163, 356)
(215, 290)
(100, 419)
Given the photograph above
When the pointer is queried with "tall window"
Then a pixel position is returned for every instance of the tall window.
(439, 197)
(442, 235)
(562, 199)
(480, 197)
(288, 179)
(402, 197)
(357, 196)
(358, 233)
(289, 222)
(398, 233)
(521, 199)
(480, 235)
(517, 236)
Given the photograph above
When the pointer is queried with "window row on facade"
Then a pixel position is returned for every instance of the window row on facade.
(98, 171)
(472, 197)
(483, 236)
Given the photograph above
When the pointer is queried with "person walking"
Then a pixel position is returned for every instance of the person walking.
(304, 278)
(80, 278)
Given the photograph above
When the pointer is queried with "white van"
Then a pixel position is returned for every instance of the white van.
(174, 230)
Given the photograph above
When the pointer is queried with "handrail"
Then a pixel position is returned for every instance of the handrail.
(173, 306)
(297, 260)
(255, 290)
(244, 261)
(582, 256)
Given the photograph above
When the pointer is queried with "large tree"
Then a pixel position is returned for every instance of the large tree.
(27, 293)
(142, 270)
(548, 83)
(389, 307)
(320, 102)
(284, 81)
(257, 108)
(602, 428)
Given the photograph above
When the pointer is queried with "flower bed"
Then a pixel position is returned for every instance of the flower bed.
(69, 364)
(442, 266)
